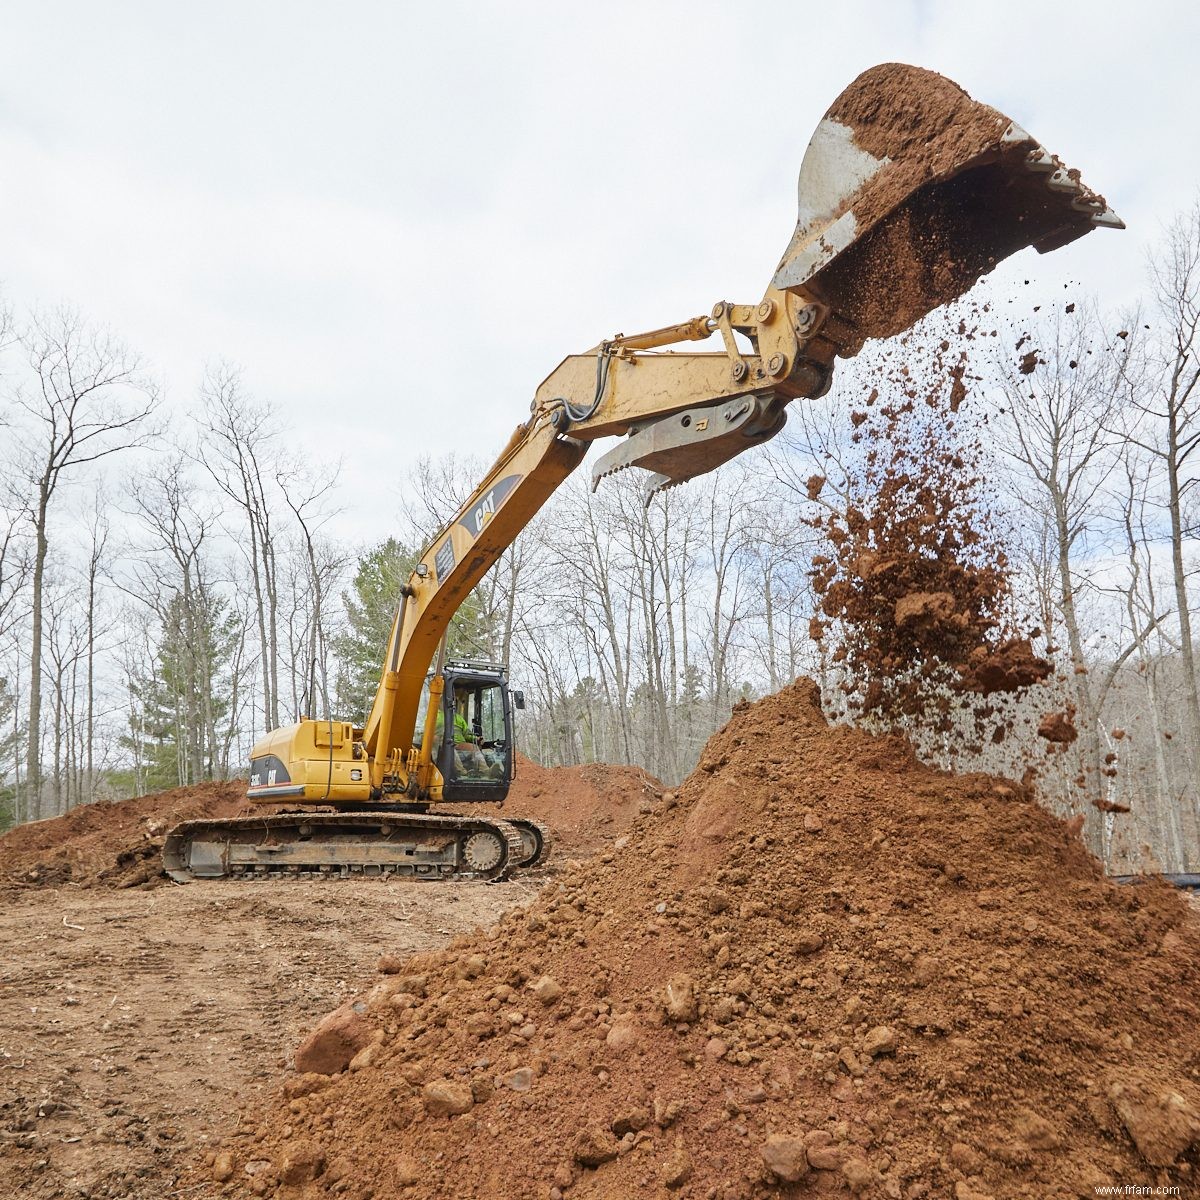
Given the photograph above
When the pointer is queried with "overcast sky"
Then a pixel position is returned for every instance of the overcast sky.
(399, 217)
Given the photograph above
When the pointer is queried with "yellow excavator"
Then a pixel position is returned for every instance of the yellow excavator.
(909, 191)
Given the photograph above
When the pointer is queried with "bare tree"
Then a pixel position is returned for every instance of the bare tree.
(1057, 431)
(306, 494)
(171, 580)
(1169, 405)
(87, 396)
(240, 455)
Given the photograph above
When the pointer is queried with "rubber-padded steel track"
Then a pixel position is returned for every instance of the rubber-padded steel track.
(337, 845)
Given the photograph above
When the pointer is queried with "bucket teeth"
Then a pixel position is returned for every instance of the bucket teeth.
(1062, 181)
(1041, 160)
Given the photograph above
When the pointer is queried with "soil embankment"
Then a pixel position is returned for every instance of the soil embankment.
(137, 1016)
(119, 844)
(819, 967)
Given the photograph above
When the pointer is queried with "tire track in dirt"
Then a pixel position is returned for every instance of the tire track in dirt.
(133, 1024)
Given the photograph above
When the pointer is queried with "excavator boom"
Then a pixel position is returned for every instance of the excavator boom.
(909, 192)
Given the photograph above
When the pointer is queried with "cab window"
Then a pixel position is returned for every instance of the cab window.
(491, 715)
(479, 753)
(422, 711)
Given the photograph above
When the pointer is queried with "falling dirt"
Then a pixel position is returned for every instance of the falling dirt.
(819, 962)
(1058, 727)
(913, 578)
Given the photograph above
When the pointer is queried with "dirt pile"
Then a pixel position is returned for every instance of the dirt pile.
(115, 844)
(133, 1023)
(819, 967)
(586, 806)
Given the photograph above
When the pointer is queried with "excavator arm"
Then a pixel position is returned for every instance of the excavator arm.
(909, 191)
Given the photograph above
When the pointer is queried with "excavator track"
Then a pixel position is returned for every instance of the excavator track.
(536, 838)
(345, 844)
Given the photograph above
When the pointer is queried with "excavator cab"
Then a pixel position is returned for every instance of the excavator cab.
(473, 733)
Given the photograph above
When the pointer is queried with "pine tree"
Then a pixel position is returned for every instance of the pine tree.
(371, 605)
(181, 707)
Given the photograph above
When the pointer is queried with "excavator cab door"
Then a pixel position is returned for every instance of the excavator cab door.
(475, 756)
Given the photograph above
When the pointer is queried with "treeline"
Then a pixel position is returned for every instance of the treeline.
(160, 610)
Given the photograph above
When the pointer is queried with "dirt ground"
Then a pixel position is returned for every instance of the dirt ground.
(135, 1024)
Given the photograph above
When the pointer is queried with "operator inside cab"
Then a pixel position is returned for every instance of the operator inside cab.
(475, 756)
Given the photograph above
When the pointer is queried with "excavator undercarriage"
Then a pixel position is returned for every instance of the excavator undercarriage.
(383, 841)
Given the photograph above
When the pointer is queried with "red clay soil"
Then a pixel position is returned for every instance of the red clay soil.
(1059, 727)
(586, 807)
(115, 844)
(948, 205)
(120, 844)
(820, 967)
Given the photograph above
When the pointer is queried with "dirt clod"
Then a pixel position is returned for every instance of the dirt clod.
(1058, 727)
(1161, 1122)
(594, 1146)
(330, 1047)
(785, 1157)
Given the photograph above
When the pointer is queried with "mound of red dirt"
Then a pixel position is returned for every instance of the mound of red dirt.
(586, 807)
(819, 967)
(116, 844)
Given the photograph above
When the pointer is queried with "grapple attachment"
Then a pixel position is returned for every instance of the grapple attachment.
(909, 192)
(680, 447)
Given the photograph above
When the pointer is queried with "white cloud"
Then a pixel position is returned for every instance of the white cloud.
(399, 218)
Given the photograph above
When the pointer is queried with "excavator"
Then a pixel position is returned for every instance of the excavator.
(909, 192)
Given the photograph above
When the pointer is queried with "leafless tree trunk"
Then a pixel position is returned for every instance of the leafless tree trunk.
(241, 439)
(304, 494)
(98, 531)
(89, 397)
(1173, 415)
(1058, 433)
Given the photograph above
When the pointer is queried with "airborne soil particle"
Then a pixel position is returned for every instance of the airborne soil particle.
(924, 979)
(1059, 727)
(913, 576)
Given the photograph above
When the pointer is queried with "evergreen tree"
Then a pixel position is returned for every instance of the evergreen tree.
(181, 708)
(371, 605)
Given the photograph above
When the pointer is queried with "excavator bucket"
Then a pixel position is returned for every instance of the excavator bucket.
(909, 192)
